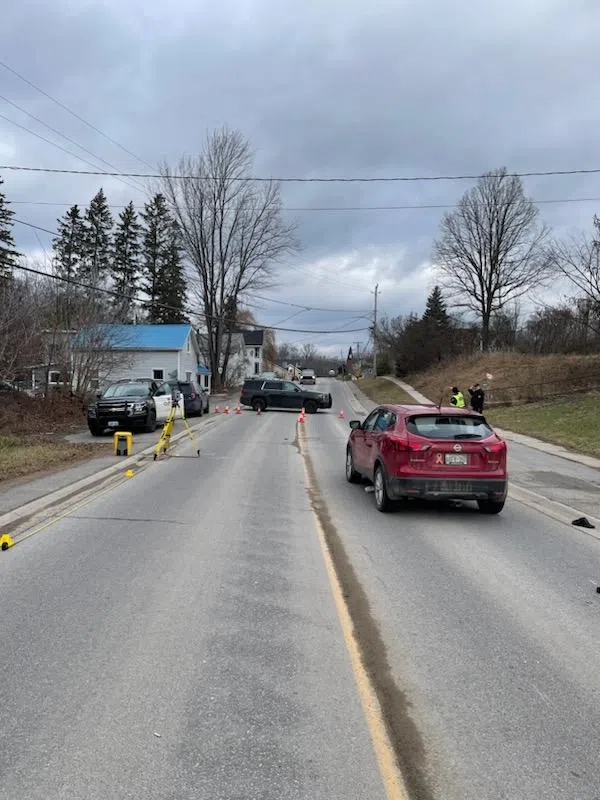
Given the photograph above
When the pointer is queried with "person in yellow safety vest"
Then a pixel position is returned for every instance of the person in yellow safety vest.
(458, 398)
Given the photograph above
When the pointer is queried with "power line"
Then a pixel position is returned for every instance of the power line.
(415, 206)
(133, 298)
(64, 150)
(274, 179)
(288, 266)
(141, 187)
(74, 114)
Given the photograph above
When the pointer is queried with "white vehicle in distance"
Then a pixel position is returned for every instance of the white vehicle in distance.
(308, 376)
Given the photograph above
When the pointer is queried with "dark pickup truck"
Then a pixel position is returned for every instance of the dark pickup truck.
(262, 394)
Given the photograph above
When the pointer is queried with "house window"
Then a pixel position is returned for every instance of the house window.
(188, 376)
(54, 377)
(257, 352)
(206, 381)
(158, 374)
(256, 368)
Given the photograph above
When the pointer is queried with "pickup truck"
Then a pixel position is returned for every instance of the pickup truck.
(261, 395)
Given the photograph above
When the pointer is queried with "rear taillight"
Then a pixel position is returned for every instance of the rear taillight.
(403, 446)
(495, 453)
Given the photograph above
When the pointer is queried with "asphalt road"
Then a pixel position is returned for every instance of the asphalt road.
(192, 602)
(491, 626)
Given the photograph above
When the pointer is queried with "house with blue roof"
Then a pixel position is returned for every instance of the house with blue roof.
(161, 352)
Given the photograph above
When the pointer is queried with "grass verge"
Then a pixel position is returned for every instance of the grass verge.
(380, 390)
(573, 423)
(21, 457)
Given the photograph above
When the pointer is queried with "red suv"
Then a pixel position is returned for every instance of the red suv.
(428, 452)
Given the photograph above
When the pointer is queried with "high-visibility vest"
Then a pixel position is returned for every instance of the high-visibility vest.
(459, 400)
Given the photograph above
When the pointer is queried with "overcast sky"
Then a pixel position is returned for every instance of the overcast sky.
(321, 88)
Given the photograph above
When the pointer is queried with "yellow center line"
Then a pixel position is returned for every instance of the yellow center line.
(384, 752)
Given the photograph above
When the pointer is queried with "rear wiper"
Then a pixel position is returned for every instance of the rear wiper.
(467, 436)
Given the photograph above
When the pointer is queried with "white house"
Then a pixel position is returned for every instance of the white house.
(253, 343)
(148, 351)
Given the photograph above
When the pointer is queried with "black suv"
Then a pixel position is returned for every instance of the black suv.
(126, 404)
(262, 394)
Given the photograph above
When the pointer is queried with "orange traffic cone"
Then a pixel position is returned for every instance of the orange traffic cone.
(217, 410)
(226, 410)
(341, 415)
(238, 410)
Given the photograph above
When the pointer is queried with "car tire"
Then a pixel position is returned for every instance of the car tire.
(95, 430)
(258, 404)
(150, 425)
(382, 500)
(490, 506)
(352, 476)
(310, 407)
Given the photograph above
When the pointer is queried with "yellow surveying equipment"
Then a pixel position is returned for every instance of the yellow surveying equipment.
(165, 437)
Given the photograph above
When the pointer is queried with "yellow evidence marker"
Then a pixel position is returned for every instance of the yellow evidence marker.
(6, 541)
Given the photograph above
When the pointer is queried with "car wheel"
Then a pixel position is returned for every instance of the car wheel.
(310, 407)
(382, 501)
(150, 425)
(95, 430)
(352, 476)
(259, 404)
(490, 506)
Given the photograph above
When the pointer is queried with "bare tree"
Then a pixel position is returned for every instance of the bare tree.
(232, 233)
(20, 304)
(491, 248)
(578, 259)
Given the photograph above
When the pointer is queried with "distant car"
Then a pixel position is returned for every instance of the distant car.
(409, 451)
(259, 394)
(195, 399)
(134, 404)
(308, 376)
(332, 373)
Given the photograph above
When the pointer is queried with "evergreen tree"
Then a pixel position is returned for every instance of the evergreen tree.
(8, 255)
(68, 244)
(437, 340)
(171, 284)
(96, 251)
(435, 310)
(126, 259)
(156, 244)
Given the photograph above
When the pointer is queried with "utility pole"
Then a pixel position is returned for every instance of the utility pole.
(375, 292)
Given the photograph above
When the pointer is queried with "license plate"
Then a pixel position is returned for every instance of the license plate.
(113, 424)
(457, 459)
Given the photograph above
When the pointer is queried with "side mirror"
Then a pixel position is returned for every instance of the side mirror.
(355, 424)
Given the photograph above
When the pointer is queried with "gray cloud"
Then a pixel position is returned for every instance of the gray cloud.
(320, 89)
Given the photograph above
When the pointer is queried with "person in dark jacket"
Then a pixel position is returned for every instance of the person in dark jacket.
(477, 398)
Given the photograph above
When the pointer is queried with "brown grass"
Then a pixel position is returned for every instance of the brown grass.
(20, 457)
(21, 415)
(517, 378)
(380, 390)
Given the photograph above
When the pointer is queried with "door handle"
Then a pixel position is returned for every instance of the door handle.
(369, 444)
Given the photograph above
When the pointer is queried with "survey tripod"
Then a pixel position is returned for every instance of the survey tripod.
(165, 437)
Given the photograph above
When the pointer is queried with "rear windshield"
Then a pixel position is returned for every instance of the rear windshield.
(440, 426)
(128, 390)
